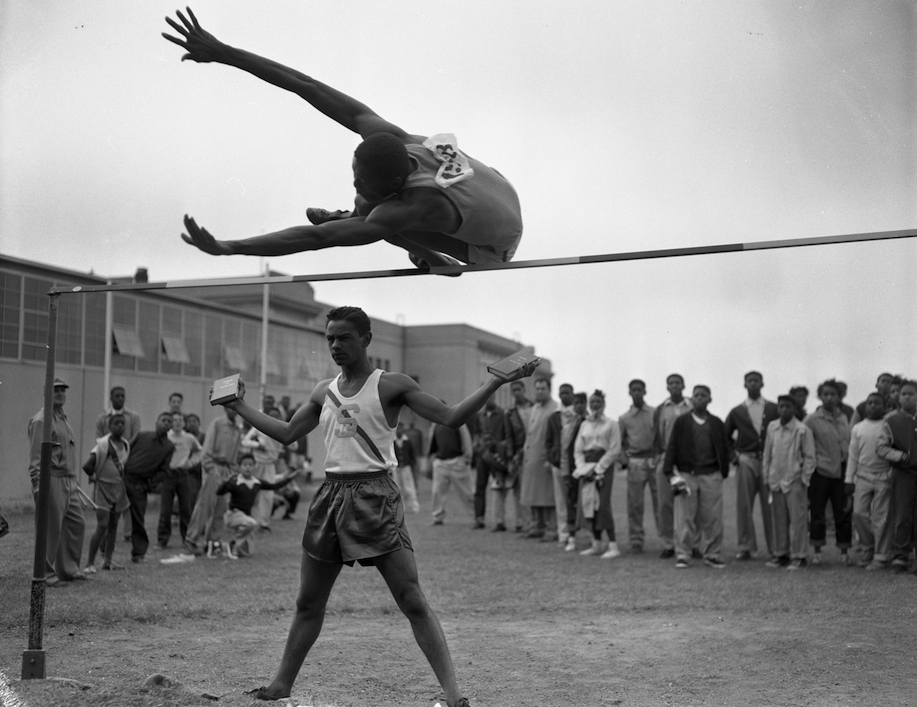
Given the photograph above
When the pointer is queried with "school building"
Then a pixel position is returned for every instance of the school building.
(163, 341)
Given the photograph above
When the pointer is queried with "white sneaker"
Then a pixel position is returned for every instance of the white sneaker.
(177, 559)
(570, 546)
(816, 558)
(596, 549)
(612, 552)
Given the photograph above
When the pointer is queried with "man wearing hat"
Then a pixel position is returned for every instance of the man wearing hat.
(66, 525)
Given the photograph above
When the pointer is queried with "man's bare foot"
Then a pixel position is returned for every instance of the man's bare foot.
(319, 216)
(261, 693)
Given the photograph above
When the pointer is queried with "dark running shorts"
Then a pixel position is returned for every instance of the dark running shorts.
(354, 518)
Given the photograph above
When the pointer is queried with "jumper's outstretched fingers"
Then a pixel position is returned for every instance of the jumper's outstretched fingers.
(202, 239)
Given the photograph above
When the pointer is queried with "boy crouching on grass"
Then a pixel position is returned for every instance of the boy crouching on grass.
(243, 490)
(787, 468)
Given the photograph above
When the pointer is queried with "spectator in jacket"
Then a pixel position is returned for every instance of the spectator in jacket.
(747, 423)
(698, 449)
(668, 411)
(898, 446)
(832, 442)
(147, 466)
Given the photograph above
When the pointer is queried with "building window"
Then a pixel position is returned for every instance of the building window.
(69, 329)
(94, 329)
(213, 347)
(35, 319)
(127, 343)
(172, 346)
(194, 341)
(174, 351)
(10, 305)
(148, 329)
(234, 359)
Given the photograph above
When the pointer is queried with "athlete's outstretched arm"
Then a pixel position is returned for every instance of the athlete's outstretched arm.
(304, 420)
(297, 239)
(430, 408)
(202, 47)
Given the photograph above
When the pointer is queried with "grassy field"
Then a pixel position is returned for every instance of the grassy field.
(527, 624)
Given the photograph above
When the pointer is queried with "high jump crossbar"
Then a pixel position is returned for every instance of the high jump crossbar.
(513, 265)
(33, 659)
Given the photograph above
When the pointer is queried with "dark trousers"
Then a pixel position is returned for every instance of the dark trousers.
(176, 484)
(137, 490)
(823, 490)
(194, 481)
(481, 477)
(572, 486)
(904, 503)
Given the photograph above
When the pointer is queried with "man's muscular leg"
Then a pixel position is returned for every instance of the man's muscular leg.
(400, 573)
(316, 580)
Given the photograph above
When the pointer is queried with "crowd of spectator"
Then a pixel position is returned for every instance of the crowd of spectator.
(547, 465)
(207, 482)
(556, 462)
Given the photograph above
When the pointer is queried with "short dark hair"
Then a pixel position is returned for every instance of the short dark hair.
(177, 395)
(246, 455)
(546, 381)
(385, 156)
(637, 381)
(190, 415)
(675, 375)
(164, 413)
(830, 383)
(876, 394)
(890, 375)
(565, 385)
(114, 415)
(116, 387)
(354, 315)
(786, 397)
(515, 384)
(753, 373)
(909, 382)
(580, 397)
(799, 389)
(703, 387)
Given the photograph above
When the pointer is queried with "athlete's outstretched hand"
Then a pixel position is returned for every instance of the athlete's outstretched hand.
(201, 238)
(199, 43)
(524, 372)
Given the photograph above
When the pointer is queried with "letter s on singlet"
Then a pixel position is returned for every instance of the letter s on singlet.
(346, 425)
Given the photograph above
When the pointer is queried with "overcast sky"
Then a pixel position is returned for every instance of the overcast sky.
(624, 126)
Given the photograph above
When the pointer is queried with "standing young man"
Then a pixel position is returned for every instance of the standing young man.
(668, 411)
(698, 450)
(66, 525)
(749, 422)
(638, 455)
(357, 515)
(832, 442)
(898, 446)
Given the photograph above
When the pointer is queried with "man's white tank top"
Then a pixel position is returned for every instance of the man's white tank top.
(357, 436)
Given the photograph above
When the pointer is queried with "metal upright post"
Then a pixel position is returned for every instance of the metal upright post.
(33, 659)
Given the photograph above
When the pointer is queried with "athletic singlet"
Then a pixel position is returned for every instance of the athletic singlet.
(486, 201)
(357, 436)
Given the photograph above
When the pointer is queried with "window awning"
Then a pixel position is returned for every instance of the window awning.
(127, 342)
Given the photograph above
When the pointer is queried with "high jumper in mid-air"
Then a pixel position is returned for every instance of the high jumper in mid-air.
(419, 193)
